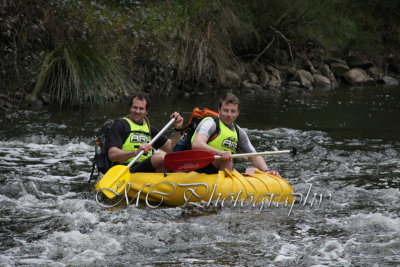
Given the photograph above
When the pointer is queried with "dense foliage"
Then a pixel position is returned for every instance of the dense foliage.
(173, 45)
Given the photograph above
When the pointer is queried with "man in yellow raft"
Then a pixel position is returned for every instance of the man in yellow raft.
(229, 140)
(128, 136)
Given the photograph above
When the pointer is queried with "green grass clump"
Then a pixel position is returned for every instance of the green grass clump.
(80, 76)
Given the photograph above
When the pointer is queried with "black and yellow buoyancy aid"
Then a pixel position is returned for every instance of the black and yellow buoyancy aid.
(138, 135)
(226, 140)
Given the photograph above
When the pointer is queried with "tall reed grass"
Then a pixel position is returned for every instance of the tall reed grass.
(81, 76)
(203, 43)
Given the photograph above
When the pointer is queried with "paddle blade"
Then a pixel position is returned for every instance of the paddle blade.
(114, 180)
(188, 160)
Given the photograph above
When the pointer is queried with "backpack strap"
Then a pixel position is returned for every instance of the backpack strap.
(148, 123)
(238, 135)
(128, 129)
(217, 129)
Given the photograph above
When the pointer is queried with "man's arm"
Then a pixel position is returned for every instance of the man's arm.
(204, 131)
(246, 146)
(200, 143)
(116, 154)
(258, 162)
(170, 144)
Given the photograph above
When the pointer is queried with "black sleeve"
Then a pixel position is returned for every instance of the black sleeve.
(117, 134)
(161, 140)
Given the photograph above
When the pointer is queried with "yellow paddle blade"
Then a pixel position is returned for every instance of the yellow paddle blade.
(115, 179)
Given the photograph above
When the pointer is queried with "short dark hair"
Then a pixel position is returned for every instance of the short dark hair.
(141, 97)
(229, 98)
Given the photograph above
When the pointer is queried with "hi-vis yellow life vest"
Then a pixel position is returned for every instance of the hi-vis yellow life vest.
(226, 140)
(139, 134)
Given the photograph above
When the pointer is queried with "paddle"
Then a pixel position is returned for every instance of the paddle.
(195, 159)
(118, 176)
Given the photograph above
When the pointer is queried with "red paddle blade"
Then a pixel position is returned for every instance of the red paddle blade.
(188, 160)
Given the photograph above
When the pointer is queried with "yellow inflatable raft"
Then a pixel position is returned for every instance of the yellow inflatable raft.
(224, 188)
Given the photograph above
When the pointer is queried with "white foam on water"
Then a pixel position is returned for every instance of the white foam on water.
(287, 253)
(372, 222)
(62, 126)
(73, 247)
(83, 243)
(5, 261)
(46, 162)
(331, 251)
(71, 230)
(196, 261)
(19, 147)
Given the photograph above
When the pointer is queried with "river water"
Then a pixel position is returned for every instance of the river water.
(349, 156)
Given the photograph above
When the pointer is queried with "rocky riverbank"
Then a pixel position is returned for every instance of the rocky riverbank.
(306, 72)
(316, 70)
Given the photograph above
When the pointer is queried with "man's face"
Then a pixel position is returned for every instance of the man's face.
(228, 113)
(138, 110)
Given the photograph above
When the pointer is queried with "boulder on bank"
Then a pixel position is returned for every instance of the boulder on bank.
(274, 82)
(375, 73)
(305, 78)
(390, 81)
(339, 69)
(264, 78)
(231, 78)
(358, 76)
(317, 70)
(253, 77)
(322, 82)
(293, 85)
(356, 60)
(327, 72)
(252, 87)
(302, 62)
(275, 73)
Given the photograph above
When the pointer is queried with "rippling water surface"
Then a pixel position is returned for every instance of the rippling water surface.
(349, 155)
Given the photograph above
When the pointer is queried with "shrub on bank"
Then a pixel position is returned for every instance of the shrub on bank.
(170, 46)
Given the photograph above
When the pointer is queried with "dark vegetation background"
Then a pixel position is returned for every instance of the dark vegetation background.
(79, 52)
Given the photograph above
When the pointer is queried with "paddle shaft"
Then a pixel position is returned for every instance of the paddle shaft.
(254, 154)
(152, 142)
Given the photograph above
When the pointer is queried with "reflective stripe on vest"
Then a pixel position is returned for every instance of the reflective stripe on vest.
(227, 139)
(139, 134)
